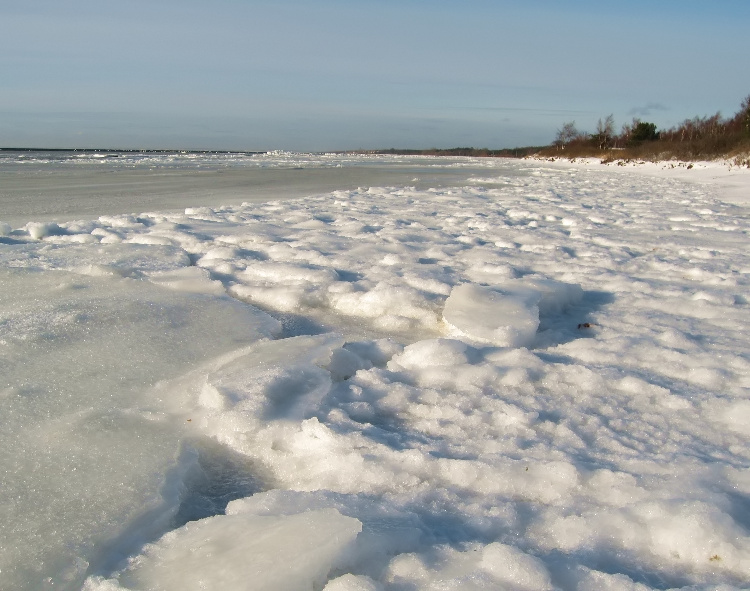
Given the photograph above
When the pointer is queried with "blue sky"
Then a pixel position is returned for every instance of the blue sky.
(335, 74)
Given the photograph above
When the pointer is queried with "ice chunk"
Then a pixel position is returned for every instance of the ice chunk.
(507, 314)
(393, 307)
(486, 316)
(432, 353)
(38, 230)
(387, 528)
(241, 551)
(496, 566)
(190, 279)
(352, 583)
(553, 296)
(273, 380)
(515, 569)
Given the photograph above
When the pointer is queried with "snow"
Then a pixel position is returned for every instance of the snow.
(724, 175)
(534, 378)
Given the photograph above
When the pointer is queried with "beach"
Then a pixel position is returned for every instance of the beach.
(428, 373)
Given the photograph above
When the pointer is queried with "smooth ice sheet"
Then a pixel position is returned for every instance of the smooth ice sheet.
(87, 458)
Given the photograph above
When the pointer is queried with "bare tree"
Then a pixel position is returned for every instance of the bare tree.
(566, 134)
(605, 131)
(742, 118)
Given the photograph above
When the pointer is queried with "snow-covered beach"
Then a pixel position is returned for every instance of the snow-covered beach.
(534, 377)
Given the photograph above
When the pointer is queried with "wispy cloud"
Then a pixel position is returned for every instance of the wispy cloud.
(647, 109)
(535, 110)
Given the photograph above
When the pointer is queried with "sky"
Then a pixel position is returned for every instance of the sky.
(349, 74)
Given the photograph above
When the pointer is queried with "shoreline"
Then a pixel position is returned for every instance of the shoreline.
(730, 180)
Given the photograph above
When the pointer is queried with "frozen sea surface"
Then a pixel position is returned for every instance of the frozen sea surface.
(505, 375)
(65, 185)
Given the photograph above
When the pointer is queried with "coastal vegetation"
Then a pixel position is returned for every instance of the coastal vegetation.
(700, 138)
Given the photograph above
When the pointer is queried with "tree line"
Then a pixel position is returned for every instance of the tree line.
(697, 138)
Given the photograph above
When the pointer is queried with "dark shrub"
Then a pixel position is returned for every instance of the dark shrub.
(643, 132)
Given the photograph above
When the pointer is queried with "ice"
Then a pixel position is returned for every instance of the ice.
(86, 457)
(39, 230)
(535, 377)
(490, 317)
(191, 279)
(350, 582)
(278, 379)
(496, 566)
(238, 551)
(507, 315)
